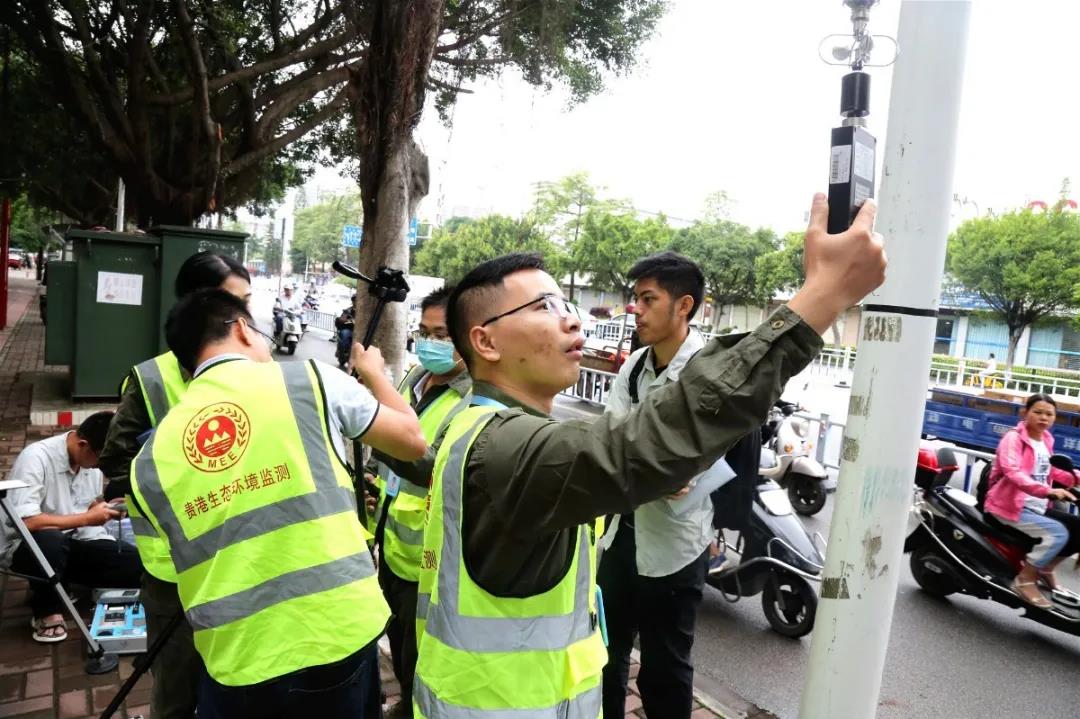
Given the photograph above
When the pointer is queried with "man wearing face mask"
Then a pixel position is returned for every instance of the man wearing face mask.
(436, 389)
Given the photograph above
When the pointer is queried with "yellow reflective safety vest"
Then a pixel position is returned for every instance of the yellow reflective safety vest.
(480, 655)
(162, 383)
(273, 568)
(403, 533)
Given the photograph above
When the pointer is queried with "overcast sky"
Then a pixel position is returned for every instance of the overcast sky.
(731, 95)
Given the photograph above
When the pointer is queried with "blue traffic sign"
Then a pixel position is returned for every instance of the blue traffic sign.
(413, 226)
(351, 235)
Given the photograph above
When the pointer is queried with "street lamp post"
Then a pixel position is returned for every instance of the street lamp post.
(888, 393)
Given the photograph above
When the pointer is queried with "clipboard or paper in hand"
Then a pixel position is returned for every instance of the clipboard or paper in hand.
(702, 486)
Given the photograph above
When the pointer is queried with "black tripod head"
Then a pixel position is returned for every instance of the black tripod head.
(388, 285)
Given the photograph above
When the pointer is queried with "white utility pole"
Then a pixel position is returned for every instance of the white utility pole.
(889, 388)
(120, 206)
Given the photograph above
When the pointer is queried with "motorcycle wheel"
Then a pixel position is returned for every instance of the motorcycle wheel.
(291, 348)
(933, 583)
(790, 604)
(807, 494)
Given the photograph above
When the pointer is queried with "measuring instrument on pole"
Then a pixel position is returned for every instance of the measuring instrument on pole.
(853, 150)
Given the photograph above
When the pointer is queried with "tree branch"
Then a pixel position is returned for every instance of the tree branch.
(253, 71)
(66, 77)
(250, 159)
(106, 92)
(436, 84)
(487, 26)
(288, 102)
(320, 24)
(475, 62)
(203, 119)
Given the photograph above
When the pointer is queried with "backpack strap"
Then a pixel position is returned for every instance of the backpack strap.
(635, 372)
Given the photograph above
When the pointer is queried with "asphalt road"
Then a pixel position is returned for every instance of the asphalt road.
(956, 658)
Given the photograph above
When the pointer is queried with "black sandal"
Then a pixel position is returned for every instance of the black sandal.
(42, 631)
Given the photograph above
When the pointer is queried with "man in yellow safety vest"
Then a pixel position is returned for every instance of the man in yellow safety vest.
(509, 620)
(246, 478)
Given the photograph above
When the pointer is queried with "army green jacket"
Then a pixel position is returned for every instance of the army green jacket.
(531, 480)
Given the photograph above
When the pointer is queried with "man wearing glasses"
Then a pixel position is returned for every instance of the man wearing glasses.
(435, 389)
(247, 480)
(508, 613)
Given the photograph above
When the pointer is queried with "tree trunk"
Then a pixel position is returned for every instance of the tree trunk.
(387, 94)
(1015, 333)
(404, 184)
(717, 313)
(571, 297)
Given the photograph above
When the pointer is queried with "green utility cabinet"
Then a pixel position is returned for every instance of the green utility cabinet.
(179, 243)
(107, 307)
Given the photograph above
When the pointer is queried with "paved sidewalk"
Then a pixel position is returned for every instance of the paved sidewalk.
(21, 290)
(39, 681)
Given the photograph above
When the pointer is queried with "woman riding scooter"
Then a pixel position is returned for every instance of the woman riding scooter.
(1020, 487)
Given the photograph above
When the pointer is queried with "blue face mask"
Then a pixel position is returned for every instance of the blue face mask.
(437, 356)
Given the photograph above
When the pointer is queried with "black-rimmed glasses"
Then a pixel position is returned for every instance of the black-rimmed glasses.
(557, 306)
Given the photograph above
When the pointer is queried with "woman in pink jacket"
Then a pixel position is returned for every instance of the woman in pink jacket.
(1019, 496)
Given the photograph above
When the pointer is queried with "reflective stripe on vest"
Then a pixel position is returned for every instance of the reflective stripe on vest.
(141, 527)
(310, 580)
(403, 533)
(586, 705)
(262, 582)
(161, 383)
(328, 499)
(537, 657)
(497, 634)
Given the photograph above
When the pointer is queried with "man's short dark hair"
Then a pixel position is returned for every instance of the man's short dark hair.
(676, 275)
(478, 290)
(94, 428)
(438, 298)
(199, 319)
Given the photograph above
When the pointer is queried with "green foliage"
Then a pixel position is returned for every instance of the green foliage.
(782, 269)
(452, 254)
(718, 206)
(206, 106)
(317, 232)
(28, 226)
(1024, 264)
(559, 211)
(728, 253)
(548, 41)
(611, 242)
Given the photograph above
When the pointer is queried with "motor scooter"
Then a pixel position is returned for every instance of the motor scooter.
(956, 548)
(775, 556)
(797, 470)
(291, 333)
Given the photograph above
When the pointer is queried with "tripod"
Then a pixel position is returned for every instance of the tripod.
(388, 286)
(97, 661)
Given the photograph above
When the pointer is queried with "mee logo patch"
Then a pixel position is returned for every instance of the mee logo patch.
(216, 438)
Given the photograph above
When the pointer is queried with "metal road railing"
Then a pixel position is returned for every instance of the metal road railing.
(319, 320)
